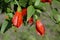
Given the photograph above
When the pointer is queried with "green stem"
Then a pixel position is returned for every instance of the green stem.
(38, 10)
(36, 17)
(19, 7)
(16, 2)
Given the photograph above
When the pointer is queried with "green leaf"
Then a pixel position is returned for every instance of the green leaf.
(23, 3)
(10, 15)
(31, 2)
(56, 4)
(54, 15)
(30, 11)
(7, 1)
(54, 11)
(9, 10)
(58, 18)
(37, 2)
(42, 4)
(5, 23)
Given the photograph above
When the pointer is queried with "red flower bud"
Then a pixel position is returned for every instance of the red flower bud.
(24, 11)
(43, 0)
(17, 19)
(30, 21)
(49, 1)
(40, 28)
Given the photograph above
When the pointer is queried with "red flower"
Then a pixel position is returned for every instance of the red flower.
(17, 19)
(24, 11)
(30, 21)
(43, 0)
(46, 1)
(40, 28)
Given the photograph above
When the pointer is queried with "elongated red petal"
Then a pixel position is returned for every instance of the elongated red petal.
(40, 28)
(14, 20)
(17, 19)
(24, 11)
(20, 20)
(30, 21)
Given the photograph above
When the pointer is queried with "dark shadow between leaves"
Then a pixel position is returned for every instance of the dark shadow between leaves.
(0, 26)
(8, 26)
